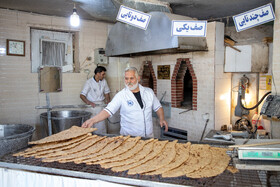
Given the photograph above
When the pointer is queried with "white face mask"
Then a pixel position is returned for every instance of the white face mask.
(133, 86)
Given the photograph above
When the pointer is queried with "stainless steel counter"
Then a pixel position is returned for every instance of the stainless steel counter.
(245, 177)
(84, 175)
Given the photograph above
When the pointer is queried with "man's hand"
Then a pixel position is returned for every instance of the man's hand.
(92, 104)
(87, 124)
(87, 101)
(99, 117)
(163, 122)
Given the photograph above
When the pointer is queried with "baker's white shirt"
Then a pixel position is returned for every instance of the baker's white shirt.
(134, 120)
(94, 91)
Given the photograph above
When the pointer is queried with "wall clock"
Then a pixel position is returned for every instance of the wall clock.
(15, 47)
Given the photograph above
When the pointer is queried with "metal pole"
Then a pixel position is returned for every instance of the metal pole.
(49, 114)
(204, 130)
(68, 106)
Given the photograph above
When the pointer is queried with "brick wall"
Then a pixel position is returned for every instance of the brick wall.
(149, 76)
(177, 83)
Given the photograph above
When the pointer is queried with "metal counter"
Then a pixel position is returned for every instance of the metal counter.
(95, 172)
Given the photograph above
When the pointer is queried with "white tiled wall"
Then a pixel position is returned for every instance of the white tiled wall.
(208, 67)
(19, 87)
(222, 82)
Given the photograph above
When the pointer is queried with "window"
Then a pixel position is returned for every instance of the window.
(51, 48)
(53, 53)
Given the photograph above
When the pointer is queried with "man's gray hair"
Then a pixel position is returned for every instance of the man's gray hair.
(132, 69)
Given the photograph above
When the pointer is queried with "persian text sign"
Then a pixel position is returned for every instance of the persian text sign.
(133, 17)
(254, 17)
(163, 72)
(188, 28)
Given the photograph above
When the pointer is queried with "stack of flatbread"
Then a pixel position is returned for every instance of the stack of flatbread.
(146, 157)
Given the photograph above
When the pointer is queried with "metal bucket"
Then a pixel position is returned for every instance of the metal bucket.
(14, 137)
(62, 120)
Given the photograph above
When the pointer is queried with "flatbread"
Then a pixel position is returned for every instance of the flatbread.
(86, 152)
(112, 162)
(182, 155)
(47, 153)
(219, 163)
(232, 169)
(204, 157)
(73, 132)
(158, 147)
(78, 149)
(140, 155)
(48, 146)
(161, 160)
(188, 165)
(110, 147)
(124, 147)
(148, 157)
(95, 149)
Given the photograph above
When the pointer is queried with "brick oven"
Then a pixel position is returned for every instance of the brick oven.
(184, 85)
(148, 76)
(197, 80)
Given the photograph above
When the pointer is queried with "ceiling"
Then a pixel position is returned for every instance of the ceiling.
(106, 10)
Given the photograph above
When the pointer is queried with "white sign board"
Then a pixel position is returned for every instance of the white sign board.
(188, 28)
(133, 17)
(254, 17)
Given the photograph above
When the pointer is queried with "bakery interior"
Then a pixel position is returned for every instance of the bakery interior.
(220, 89)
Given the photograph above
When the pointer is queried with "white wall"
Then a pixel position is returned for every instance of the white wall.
(208, 67)
(19, 87)
(250, 36)
(247, 37)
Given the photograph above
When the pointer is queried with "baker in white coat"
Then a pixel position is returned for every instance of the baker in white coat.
(136, 104)
(96, 93)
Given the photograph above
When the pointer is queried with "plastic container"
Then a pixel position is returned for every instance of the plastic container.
(255, 121)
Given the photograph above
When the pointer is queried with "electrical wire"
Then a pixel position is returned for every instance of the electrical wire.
(256, 104)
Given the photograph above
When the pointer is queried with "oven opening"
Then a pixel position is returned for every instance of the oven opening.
(188, 91)
(147, 77)
(184, 85)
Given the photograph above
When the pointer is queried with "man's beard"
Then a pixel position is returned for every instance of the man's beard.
(134, 86)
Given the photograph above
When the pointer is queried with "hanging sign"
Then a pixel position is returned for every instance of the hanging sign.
(133, 17)
(188, 28)
(254, 17)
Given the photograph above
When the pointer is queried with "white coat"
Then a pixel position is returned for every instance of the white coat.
(94, 92)
(134, 120)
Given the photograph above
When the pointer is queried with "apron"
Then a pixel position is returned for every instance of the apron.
(101, 126)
